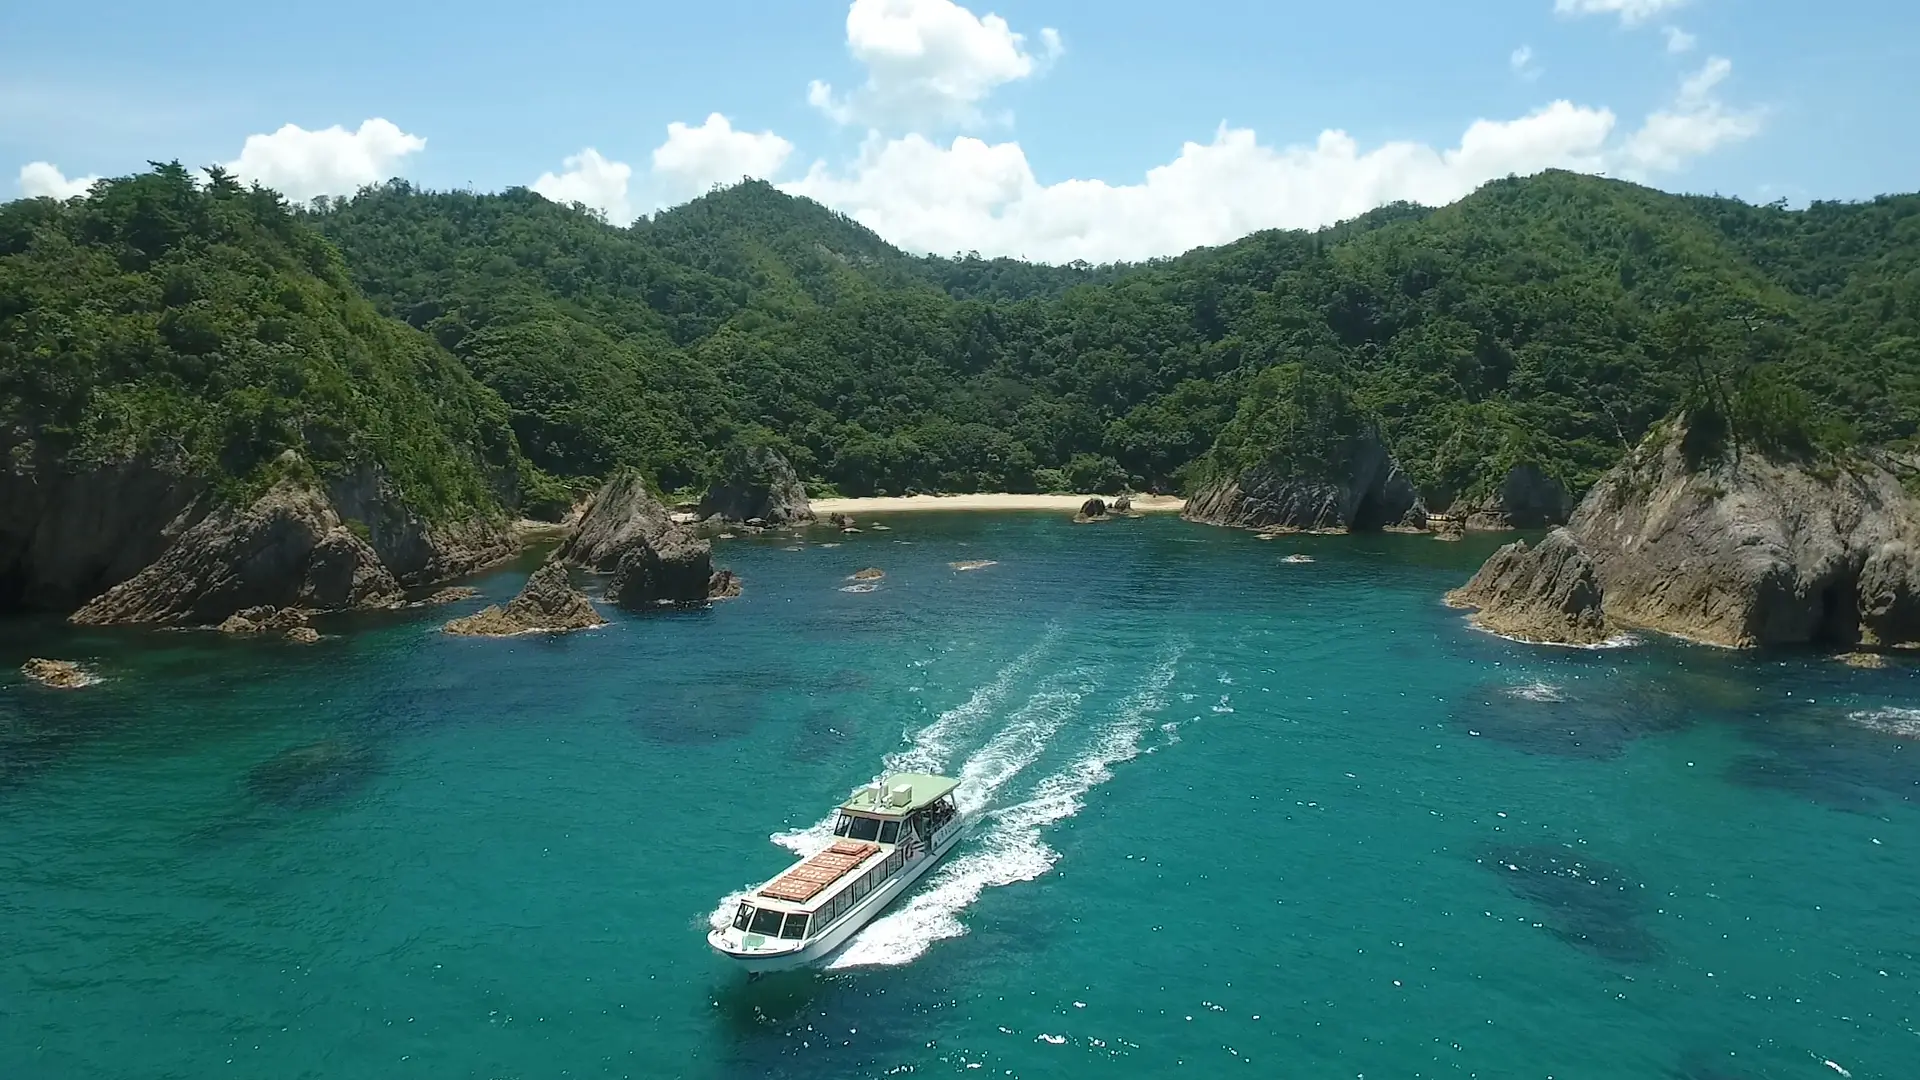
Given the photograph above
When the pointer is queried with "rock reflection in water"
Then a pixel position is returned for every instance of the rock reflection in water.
(1589, 904)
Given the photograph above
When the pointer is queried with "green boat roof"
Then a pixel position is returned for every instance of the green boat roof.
(926, 789)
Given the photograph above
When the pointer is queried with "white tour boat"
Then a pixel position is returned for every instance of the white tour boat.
(885, 836)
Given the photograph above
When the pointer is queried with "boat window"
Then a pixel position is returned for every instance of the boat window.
(894, 861)
(889, 832)
(741, 917)
(796, 927)
(766, 921)
(840, 827)
(865, 828)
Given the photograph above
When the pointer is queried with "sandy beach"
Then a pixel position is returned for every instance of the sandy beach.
(1063, 504)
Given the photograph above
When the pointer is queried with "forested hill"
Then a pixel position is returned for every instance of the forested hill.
(1550, 319)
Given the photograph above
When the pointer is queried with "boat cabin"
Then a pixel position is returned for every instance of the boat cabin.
(877, 831)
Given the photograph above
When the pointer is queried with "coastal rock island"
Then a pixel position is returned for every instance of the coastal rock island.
(628, 533)
(549, 602)
(759, 486)
(1751, 550)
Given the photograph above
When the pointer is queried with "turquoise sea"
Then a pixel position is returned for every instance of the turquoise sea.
(1241, 817)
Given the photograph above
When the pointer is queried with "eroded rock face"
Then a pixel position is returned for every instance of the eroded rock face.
(1367, 490)
(762, 489)
(549, 602)
(724, 585)
(288, 549)
(415, 551)
(1748, 552)
(629, 534)
(1526, 499)
(1547, 593)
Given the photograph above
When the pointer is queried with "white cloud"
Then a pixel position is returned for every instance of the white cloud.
(1522, 63)
(1696, 123)
(693, 159)
(1678, 40)
(593, 181)
(301, 164)
(1630, 12)
(928, 62)
(971, 195)
(40, 179)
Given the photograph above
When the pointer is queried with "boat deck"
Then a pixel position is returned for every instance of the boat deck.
(799, 884)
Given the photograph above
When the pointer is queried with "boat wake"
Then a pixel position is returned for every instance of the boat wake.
(1006, 846)
(1902, 722)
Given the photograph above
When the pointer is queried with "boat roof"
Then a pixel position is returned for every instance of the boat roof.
(926, 789)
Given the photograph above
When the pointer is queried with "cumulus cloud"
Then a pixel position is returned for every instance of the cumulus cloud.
(40, 179)
(593, 181)
(1630, 12)
(1696, 123)
(301, 164)
(1678, 40)
(693, 159)
(1522, 63)
(972, 195)
(929, 62)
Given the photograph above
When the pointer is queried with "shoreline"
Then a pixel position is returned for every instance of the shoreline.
(1067, 504)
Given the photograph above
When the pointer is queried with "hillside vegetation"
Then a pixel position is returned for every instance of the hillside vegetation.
(1549, 320)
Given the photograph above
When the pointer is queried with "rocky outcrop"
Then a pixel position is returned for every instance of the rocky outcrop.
(288, 549)
(1547, 593)
(629, 534)
(1364, 490)
(264, 620)
(723, 585)
(871, 573)
(1527, 498)
(413, 550)
(1123, 503)
(760, 488)
(1747, 552)
(59, 674)
(1094, 509)
(548, 603)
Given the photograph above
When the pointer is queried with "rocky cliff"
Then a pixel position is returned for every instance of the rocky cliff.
(629, 534)
(1527, 498)
(1746, 552)
(760, 485)
(1364, 489)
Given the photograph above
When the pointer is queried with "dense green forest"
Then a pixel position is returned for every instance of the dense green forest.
(1551, 319)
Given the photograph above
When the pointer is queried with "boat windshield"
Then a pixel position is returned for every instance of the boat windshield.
(766, 922)
(859, 828)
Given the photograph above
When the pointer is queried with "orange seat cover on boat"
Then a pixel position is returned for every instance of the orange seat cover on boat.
(802, 882)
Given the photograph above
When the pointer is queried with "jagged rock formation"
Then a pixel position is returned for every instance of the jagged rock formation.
(724, 585)
(629, 534)
(1365, 490)
(59, 674)
(1527, 498)
(1546, 593)
(144, 540)
(1123, 503)
(1746, 552)
(264, 620)
(760, 488)
(548, 603)
(288, 549)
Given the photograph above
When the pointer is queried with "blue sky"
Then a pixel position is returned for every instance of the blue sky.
(1061, 110)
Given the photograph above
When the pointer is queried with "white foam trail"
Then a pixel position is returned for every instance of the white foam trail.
(1009, 848)
(1902, 722)
(1537, 691)
(931, 746)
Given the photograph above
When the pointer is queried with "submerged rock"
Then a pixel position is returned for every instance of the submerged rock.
(548, 603)
(628, 533)
(1744, 552)
(1865, 660)
(315, 773)
(840, 520)
(59, 674)
(1586, 903)
(1362, 488)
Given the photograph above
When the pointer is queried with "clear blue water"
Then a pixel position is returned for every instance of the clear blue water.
(1242, 817)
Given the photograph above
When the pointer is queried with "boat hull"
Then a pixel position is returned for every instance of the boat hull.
(817, 949)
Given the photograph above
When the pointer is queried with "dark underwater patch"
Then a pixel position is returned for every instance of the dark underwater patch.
(1856, 760)
(1595, 719)
(310, 775)
(1591, 905)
